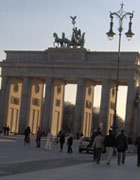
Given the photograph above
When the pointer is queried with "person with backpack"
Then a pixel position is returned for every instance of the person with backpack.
(137, 143)
(122, 146)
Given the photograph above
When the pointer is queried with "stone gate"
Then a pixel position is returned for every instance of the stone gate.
(26, 75)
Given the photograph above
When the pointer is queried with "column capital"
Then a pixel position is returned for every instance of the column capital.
(49, 80)
(80, 82)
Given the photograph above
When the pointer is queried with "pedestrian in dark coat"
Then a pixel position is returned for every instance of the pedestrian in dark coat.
(69, 143)
(38, 137)
(137, 143)
(62, 140)
(27, 136)
(122, 145)
(109, 143)
(7, 130)
(4, 130)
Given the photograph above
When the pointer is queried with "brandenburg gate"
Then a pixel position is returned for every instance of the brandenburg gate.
(28, 76)
(24, 74)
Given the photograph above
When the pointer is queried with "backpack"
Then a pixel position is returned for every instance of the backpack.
(122, 143)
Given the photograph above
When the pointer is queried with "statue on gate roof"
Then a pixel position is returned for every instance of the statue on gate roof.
(73, 20)
(77, 39)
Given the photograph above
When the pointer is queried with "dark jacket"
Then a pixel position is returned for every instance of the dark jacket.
(62, 138)
(121, 143)
(39, 134)
(27, 131)
(130, 140)
(137, 143)
(70, 141)
(110, 141)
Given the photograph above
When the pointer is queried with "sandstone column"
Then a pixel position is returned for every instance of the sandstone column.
(4, 101)
(79, 107)
(88, 108)
(131, 95)
(138, 120)
(57, 107)
(47, 106)
(105, 105)
(25, 104)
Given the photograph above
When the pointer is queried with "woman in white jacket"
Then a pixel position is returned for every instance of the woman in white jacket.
(49, 140)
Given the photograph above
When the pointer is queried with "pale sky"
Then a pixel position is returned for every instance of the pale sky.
(30, 24)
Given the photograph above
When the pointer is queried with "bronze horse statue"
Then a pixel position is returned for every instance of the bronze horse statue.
(70, 43)
(57, 40)
(74, 42)
(81, 41)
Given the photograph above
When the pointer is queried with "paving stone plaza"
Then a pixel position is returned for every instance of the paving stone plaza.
(30, 163)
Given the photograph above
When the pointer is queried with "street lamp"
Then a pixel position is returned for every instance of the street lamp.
(121, 14)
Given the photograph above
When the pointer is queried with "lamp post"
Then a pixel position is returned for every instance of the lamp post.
(121, 14)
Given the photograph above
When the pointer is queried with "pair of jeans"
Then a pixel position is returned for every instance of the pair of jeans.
(38, 142)
(109, 153)
(69, 148)
(138, 158)
(121, 157)
(98, 154)
(61, 146)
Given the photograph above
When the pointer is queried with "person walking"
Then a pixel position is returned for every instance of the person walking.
(137, 143)
(7, 130)
(49, 141)
(4, 130)
(62, 140)
(69, 143)
(95, 133)
(130, 145)
(109, 143)
(38, 137)
(122, 146)
(77, 136)
(27, 136)
(98, 144)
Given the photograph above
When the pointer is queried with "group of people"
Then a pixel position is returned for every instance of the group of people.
(61, 139)
(110, 144)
